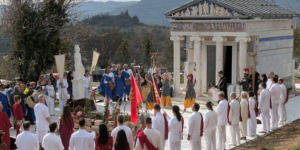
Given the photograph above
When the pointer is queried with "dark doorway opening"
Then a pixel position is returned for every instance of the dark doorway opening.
(227, 60)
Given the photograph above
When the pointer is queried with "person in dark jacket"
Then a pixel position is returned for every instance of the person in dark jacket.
(222, 84)
(21, 94)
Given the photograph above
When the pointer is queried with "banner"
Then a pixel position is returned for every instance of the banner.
(154, 88)
(135, 98)
(60, 65)
(93, 67)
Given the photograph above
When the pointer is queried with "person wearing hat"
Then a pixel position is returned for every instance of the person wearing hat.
(87, 82)
(222, 84)
(245, 81)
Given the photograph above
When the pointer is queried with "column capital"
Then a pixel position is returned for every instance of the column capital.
(176, 38)
(197, 38)
(219, 39)
(243, 39)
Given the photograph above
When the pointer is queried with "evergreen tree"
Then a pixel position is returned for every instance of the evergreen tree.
(146, 57)
(122, 54)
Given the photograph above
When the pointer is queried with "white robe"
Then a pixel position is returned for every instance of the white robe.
(244, 114)
(175, 130)
(269, 84)
(282, 109)
(87, 91)
(194, 125)
(251, 125)
(42, 125)
(50, 101)
(82, 140)
(52, 142)
(154, 138)
(275, 96)
(158, 123)
(222, 110)
(62, 101)
(210, 126)
(27, 141)
(234, 118)
(264, 106)
(128, 132)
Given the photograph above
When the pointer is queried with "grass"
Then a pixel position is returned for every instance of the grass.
(296, 148)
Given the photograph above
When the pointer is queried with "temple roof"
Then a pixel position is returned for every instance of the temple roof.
(244, 9)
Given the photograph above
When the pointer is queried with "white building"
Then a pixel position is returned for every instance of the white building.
(220, 35)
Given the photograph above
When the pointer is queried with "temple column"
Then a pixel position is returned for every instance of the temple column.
(242, 54)
(197, 55)
(219, 54)
(176, 67)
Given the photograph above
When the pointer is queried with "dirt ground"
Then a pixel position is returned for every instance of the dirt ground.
(285, 138)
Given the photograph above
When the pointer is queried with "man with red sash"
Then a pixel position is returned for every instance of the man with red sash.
(160, 123)
(195, 128)
(244, 115)
(284, 97)
(223, 112)
(149, 139)
(234, 119)
(264, 106)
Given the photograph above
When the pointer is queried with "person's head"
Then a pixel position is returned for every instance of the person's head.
(26, 125)
(22, 87)
(17, 88)
(41, 98)
(148, 122)
(244, 95)
(251, 94)
(103, 134)
(220, 73)
(190, 77)
(86, 73)
(121, 142)
(263, 85)
(70, 75)
(119, 72)
(32, 84)
(1, 87)
(196, 107)
(221, 95)
(66, 114)
(20, 81)
(125, 66)
(263, 78)
(41, 82)
(280, 81)
(132, 65)
(53, 127)
(156, 108)
(271, 75)
(27, 85)
(275, 80)
(38, 88)
(108, 70)
(209, 105)
(49, 82)
(17, 99)
(232, 95)
(176, 112)
(114, 66)
(118, 66)
(276, 76)
(120, 119)
(81, 123)
(51, 75)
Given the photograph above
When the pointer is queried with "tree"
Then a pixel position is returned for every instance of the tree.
(8, 68)
(297, 43)
(123, 54)
(36, 29)
(146, 57)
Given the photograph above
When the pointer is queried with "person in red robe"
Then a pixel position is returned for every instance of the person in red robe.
(104, 141)
(5, 126)
(66, 126)
(18, 112)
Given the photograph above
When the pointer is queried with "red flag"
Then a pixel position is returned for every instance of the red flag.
(154, 89)
(135, 99)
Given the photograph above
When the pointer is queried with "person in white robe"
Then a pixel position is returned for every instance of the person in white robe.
(153, 136)
(62, 87)
(222, 110)
(42, 118)
(251, 124)
(282, 102)
(234, 119)
(275, 91)
(50, 98)
(210, 126)
(194, 126)
(175, 129)
(87, 82)
(264, 108)
(159, 123)
(244, 115)
(51, 141)
(270, 80)
(27, 140)
(127, 130)
(82, 140)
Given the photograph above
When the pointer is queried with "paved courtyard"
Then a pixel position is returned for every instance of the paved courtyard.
(292, 107)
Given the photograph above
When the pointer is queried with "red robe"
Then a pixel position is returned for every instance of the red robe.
(18, 114)
(144, 140)
(66, 131)
(5, 126)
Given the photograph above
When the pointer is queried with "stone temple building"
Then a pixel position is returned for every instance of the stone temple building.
(230, 35)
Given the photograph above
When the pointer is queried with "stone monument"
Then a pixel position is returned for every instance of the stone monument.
(78, 81)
